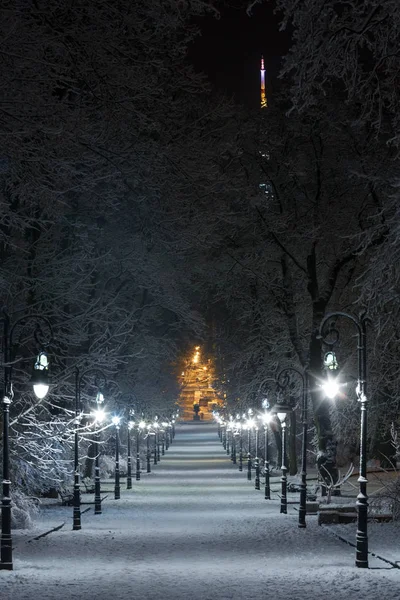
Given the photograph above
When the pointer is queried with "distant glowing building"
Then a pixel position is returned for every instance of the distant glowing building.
(264, 101)
(196, 386)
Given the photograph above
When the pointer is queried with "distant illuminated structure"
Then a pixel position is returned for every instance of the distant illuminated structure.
(196, 386)
(264, 102)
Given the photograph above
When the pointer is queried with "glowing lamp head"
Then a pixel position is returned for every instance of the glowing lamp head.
(331, 388)
(40, 376)
(116, 421)
(282, 417)
(142, 424)
(330, 361)
(266, 418)
(99, 415)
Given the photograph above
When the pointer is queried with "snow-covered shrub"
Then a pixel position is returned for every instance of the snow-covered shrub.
(23, 510)
(107, 466)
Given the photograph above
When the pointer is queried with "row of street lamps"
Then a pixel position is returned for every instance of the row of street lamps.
(43, 335)
(163, 433)
(329, 335)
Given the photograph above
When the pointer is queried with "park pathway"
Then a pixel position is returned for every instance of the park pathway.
(193, 529)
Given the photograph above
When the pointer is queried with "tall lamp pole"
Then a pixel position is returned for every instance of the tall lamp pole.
(283, 509)
(129, 459)
(140, 426)
(256, 461)
(117, 488)
(240, 446)
(266, 418)
(283, 380)
(148, 451)
(327, 329)
(155, 426)
(281, 409)
(99, 382)
(40, 381)
(163, 438)
(98, 419)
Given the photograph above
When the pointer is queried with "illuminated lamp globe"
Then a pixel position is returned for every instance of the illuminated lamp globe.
(40, 376)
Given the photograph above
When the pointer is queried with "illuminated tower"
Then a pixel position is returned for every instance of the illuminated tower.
(264, 102)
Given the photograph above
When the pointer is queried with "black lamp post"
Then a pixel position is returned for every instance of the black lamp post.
(129, 459)
(163, 440)
(240, 446)
(249, 425)
(234, 437)
(148, 451)
(155, 427)
(99, 383)
(139, 427)
(158, 444)
(40, 381)
(223, 425)
(98, 419)
(266, 418)
(256, 462)
(173, 429)
(327, 329)
(284, 379)
(117, 488)
(282, 409)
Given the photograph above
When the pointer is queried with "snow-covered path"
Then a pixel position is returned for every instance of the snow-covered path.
(193, 529)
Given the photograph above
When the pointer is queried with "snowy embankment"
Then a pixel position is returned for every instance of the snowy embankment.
(195, 529)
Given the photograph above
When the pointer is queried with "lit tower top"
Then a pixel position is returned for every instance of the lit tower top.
(264, 102)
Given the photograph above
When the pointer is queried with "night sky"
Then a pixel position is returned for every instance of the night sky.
(230, 48)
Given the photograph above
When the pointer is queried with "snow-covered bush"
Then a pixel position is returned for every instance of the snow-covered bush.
(23, 510)
(107, 466)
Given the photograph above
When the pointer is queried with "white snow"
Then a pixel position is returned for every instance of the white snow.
(194, 529)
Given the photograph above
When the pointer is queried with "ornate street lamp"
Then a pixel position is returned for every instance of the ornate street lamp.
(99, 383)
(284, 380)
(235, 434)
(227, 429)
(131, 424)
(256, 460)
(266, 419)
(173, 420)
(99, 417)
(155, 427)
(328, 330)
(148, 451)
(249, 426)
(140, 427)
(281, 409)
(240, 427)
(40, 386)
(164, 425)
(117, 488)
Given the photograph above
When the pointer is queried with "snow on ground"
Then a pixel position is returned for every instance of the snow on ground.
(195, 529)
